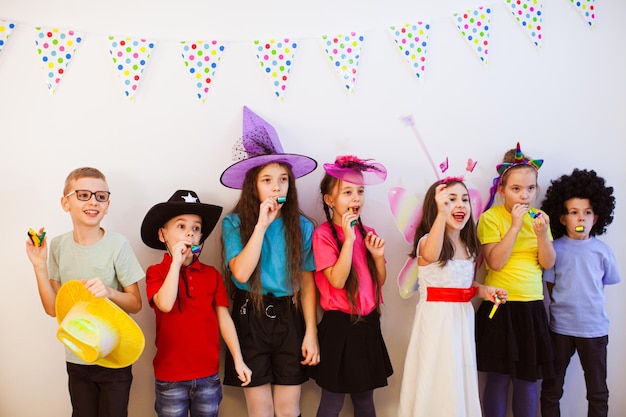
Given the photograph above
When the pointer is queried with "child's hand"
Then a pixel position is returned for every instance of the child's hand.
(180, 251)
(375, 244)
(346, 224)
(97, 287)
(517, 215)
(490, 293)
(442, 198)
(541, 225)
(243, 373)
(38, 255)
(268, 212)
(310, 350)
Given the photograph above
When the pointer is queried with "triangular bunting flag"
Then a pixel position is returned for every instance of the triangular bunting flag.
(587, 10)
(56, 49)
(530, 17)
(412, 40)
(130, 56)
(201, 59)
(276, 58)
(344, 52)
(474, 25)
(5, 31)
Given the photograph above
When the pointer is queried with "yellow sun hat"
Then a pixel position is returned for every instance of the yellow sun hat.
(96, 329)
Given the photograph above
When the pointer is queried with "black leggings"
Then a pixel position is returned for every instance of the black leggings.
(331, 404)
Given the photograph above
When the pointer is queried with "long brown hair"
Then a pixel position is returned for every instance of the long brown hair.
(248, 210)
(429, 214)
(327, 185)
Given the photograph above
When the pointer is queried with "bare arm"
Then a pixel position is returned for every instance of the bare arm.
(546, 255)
(229, 335)
(337, 274)
(47, 288)
(308, 299)
(129, 299)
(497, 254)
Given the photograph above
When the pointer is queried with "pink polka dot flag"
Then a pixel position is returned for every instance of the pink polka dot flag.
(587, 10)
(529, 15)
(412, 40)
(5, 30)
(474, 25)
(201, 60)
(56, 48)
(344, 52)
(130, 56)
(276, 58)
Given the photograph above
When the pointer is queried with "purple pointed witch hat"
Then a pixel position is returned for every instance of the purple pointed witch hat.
(258, 146)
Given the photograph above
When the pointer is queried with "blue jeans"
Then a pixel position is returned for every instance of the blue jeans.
(592, 353)
(200, 397)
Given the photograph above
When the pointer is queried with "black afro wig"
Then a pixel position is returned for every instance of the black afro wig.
(580, 184)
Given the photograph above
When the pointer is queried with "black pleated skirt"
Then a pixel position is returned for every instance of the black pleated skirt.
(353, 356)
(516, 341)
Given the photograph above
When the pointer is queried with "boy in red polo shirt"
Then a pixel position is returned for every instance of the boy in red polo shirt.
(191, 307)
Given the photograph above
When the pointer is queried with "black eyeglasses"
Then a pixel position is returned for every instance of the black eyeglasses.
(85, 195)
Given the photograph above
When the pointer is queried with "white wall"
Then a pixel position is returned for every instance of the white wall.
(563, 102)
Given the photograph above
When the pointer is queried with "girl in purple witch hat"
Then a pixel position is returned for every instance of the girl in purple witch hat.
(269, 260)
(350, 273)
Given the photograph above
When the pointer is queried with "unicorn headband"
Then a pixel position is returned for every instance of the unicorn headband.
(519, 160)
(505, 166)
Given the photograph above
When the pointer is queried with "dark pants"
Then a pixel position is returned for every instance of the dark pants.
(99, 392)
(592, 354)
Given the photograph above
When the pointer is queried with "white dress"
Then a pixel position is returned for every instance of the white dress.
(440, 377)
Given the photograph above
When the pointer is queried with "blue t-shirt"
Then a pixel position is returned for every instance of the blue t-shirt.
(582, 269)
(274, 265)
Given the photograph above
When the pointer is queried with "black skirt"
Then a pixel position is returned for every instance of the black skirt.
(516, 341)
(353, 356)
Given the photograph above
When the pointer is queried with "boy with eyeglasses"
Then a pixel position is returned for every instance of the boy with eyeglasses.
(105, 262)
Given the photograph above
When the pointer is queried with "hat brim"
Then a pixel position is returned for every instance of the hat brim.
(132, 340)
(159, 214)
(234, 175)
(358, 177)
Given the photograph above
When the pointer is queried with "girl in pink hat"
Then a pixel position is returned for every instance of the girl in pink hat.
(350, 272)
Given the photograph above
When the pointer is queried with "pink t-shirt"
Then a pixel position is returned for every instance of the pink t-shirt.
(326, 252)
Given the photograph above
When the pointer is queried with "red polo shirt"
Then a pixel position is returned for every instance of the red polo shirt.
(187, 338)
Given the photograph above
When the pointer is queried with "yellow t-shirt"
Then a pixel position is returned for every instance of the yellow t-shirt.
(521, 274)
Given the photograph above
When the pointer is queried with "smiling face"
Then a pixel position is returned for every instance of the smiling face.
(85, 213)
(579, 219)
(344, 197)
(461, 207)
(272, 182)
(519, 187)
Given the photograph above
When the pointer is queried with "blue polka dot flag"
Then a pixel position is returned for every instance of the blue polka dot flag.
(5, 30)
(56, 48)
(130, 57)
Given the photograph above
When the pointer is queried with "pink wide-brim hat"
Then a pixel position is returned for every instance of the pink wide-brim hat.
(357, 171)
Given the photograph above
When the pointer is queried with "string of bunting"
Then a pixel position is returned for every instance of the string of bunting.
(56, 47)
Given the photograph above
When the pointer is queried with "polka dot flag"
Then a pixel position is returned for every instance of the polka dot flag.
(56, 48)
(587, 10)
(201, 60)
(412, 40)
(130, 57)
(530, 17)
(5, 31)
(474, 25)
(344, 52)
(276, 58)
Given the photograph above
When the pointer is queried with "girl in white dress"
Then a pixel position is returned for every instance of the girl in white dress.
(440, 376)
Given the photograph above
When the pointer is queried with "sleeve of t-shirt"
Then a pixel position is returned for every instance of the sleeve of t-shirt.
(154, 281)
(611, 272)
(128, 270)
(221, 297)
(231, 238)
(487, 230)
(325, 249)
(307, 237)
(548, 275)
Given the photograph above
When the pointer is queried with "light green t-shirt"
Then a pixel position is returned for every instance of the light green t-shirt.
(111, 259)
(521, 275)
